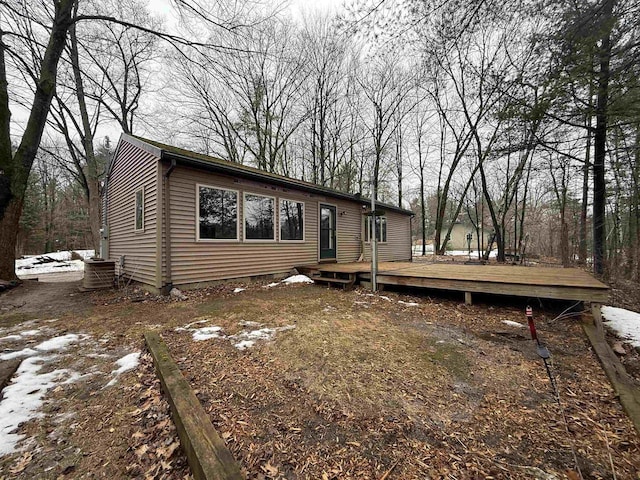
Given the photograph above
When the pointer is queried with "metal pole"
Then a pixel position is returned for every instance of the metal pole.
(372, 238)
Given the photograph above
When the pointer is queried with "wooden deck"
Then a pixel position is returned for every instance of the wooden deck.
(556, 283)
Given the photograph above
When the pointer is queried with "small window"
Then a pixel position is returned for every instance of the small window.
(139, 222)
(218, 214)
(381, 229)
(291, 220)
(259, 217)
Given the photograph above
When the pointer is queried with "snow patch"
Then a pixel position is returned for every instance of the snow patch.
(409, 304)
(297, 279)
(513, 324)
(23, 398)
(126, 363)
(10, 337)
(624, 322)
(241, 340)
(206, 333)
(31, 265)
(290, 280)
(58, 343)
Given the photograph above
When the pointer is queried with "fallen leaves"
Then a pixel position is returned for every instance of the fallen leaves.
(155, 448)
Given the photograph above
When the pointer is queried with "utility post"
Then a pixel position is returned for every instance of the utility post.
(372, 238)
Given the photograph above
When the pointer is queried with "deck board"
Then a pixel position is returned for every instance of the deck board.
(560, 283)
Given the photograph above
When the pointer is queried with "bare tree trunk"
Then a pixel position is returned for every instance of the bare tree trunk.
(93, 181)
(582, 250)
(14, 170)
(600, 143)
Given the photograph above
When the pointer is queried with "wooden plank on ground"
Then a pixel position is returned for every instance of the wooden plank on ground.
(208, 456)
(7, 369)
(623, 384)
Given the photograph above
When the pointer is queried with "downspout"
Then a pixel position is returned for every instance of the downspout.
(168, 284)
(104, 231)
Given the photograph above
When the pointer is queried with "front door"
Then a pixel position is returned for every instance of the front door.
(327, 232)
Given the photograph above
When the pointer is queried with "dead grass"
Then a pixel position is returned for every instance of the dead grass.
(363, 387)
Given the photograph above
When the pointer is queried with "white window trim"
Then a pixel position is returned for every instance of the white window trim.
(135, 210)
(197, 215)
(365, 229)
(244, 216)
(304, 220)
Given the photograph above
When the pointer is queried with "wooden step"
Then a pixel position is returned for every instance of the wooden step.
(332, 280)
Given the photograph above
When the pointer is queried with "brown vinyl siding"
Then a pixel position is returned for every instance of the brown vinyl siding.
(137, 165)
(134, 168)
(194, 261)
(398, 245)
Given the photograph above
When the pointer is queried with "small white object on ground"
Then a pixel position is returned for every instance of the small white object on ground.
(274, 284)
(177, 293)
(238, 290)
(513, 324)
(625, 323)
(409, 304)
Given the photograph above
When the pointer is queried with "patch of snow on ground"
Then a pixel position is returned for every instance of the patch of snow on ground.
(22, 399)
(513, 324)
(206, 333)
(290, 280)
(63, 263)
(126, 363)
(297, 279)
(625, 323)
(238, 290)
(25, 352)
(10, 337)
(241, 340)
(58, 343)
(188, 326)
(409, 304)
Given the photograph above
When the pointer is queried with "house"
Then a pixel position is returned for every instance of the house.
(178, 218)
(458, 237)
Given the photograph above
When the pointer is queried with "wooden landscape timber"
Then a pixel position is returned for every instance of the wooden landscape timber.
(624, 385)
(208, 456)
(554, 283)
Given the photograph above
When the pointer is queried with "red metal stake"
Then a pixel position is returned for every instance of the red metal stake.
(532, 327)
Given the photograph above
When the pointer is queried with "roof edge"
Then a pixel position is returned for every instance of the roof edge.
(224, 166)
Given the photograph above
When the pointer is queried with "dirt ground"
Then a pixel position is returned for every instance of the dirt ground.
(362, 387)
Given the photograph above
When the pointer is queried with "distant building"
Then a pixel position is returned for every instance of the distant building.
(458, 237)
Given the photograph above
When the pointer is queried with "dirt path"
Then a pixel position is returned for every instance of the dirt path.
(43, 299)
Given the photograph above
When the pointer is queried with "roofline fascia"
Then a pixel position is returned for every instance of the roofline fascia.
(229, 169)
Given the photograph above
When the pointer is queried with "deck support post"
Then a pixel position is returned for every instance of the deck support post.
(467, 298)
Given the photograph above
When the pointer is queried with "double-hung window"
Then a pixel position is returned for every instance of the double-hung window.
(381, 229)
(217, 213)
